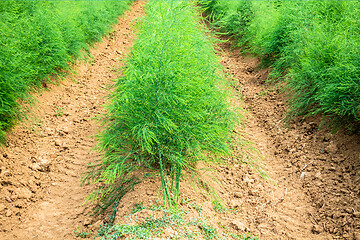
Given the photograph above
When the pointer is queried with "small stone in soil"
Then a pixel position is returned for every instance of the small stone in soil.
(237, 225)
(43, 165)
(238, 195)
(8, 213)
(87, 222)
(98, 224)
(356, 214)
(23, 193)
(316, 229)
(2, 207)
(57, 142)
(332, 148)
(49, 131)
(65, 130)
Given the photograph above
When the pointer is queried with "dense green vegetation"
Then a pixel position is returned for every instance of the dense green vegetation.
(38, 38)
(313, 46)
(170, 110)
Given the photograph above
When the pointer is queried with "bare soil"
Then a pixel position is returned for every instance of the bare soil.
(314, 186)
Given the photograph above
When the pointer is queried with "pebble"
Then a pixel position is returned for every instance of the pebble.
(235, 203)
(237, 225)
(23, 193)
(65, 130)
(98, 224)
(331, 148)
(8, 213)
(43, 165)
(2, 207)
(316, 229)
(87, 222)
(49, 131)
(35, 167)
(57, 142)
(238, 194)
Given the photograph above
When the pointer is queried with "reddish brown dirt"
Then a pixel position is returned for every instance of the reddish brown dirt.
(313, 192)
(40, 170)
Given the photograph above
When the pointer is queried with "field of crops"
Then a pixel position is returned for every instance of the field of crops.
(312, 46)
(172, 126)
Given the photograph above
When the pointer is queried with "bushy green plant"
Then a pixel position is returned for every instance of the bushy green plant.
(170, 110)
(38, 38)
(230, 17)
(312, 45)
(325, 79)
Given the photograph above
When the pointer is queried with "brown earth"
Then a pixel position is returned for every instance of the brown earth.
(313, 192)
(40, 170)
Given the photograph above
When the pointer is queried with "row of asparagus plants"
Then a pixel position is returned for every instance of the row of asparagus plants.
(170, 109)
(38, 38)
(313, 46)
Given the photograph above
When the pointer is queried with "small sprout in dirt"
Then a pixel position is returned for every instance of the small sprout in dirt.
(209, 231)
(81, 234)
(190, 235)
(218, 207)
(138, 207)
(222, 226)
(263, 93)
(59, 111)
(196, 207)
(185, 201)
(195, 222)
(244, 237)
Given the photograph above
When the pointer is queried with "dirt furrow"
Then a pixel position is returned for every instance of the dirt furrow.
(40, 172)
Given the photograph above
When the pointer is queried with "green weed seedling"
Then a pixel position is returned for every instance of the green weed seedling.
(59, 111)
(244, 237)
(81, 234)
(209, 231)
(218, 207)
(138, 207)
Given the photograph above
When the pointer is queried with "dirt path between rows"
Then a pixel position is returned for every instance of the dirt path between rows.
(40, 171)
